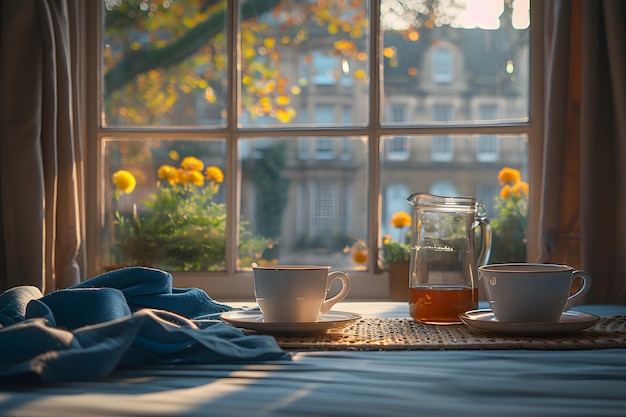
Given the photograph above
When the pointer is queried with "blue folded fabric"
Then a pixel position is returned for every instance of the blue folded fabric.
(127, 317)
(13, 304)
(152, 288)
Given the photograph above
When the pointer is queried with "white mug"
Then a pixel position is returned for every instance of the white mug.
(296, 293)
(527, 292)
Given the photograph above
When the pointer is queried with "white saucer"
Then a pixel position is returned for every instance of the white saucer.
(253, 320)
(570, 321)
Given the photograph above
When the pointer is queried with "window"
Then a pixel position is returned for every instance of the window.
(325, 70)
(442, 65)
(487, 148)
(324, 115)
(442, 146)
(397, 148)
(487, 145)
(298, 118)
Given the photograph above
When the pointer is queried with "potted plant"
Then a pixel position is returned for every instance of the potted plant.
(180, 227)
(396, 256)
(509, 228)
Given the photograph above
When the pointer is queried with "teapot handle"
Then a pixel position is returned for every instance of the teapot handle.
(485, 234)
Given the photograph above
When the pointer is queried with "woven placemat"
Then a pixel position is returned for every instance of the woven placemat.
(407, 334)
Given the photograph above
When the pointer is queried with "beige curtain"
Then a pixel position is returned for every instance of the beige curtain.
(40, 156)
(583, 216)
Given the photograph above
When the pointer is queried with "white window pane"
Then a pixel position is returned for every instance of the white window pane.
(293, 58)
(312, 208)
(174, 218)
(452, 54)
(462, 175)
(154, 73)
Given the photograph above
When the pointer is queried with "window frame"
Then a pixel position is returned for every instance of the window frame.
(233, 284)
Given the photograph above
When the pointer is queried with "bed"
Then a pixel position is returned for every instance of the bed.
(372, 380)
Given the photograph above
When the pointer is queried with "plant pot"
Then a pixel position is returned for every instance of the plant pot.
(398, 281)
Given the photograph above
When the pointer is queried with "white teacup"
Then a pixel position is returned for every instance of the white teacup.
(296, 293)
(527, 292)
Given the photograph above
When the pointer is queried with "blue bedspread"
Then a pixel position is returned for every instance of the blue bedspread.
(128, 317)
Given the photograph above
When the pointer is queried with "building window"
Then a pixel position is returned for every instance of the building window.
(443, 188)
(297, 115)
(442, 146)
(330, 212)
(396, 148)
(487, 145)
(324, 149)
(443, 69)
(325, 70)
(487, 148)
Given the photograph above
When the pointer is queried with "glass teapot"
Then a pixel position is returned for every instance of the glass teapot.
(443, 274)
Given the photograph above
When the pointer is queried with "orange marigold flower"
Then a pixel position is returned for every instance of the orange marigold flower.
(400, 219)
(509, 176)
(215, 174)
(520, 188)
(195, 177)
(169, 173)
(192, 163)
(505, 191)
(183, 176)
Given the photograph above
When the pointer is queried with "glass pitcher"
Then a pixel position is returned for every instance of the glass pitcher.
(443, 275)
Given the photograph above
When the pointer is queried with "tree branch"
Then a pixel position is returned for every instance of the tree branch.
(145, 60)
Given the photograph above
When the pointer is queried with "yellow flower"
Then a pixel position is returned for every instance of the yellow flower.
(174, 155)
(169, 173)
(504, 192)
(192, 163)
(386, 239)
(215, 174)
(182, 175)
(186, 176)
(509, 176)
(520, 188)
(195, 177)
(359, 253)
(124, 181)
(400, 219)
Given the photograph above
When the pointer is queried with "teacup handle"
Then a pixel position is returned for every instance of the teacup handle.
(582, 291)
(328, 304)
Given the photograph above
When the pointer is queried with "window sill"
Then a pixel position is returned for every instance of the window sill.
(363, 286)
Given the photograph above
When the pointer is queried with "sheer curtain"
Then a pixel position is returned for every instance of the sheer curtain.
(583, 213)
(40, 156)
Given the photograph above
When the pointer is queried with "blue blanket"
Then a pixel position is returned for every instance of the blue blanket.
(127, 317)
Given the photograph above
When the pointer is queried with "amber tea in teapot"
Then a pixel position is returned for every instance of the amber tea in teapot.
(443, 274)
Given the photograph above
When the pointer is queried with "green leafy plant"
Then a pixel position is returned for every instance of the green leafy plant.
(180, 227)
